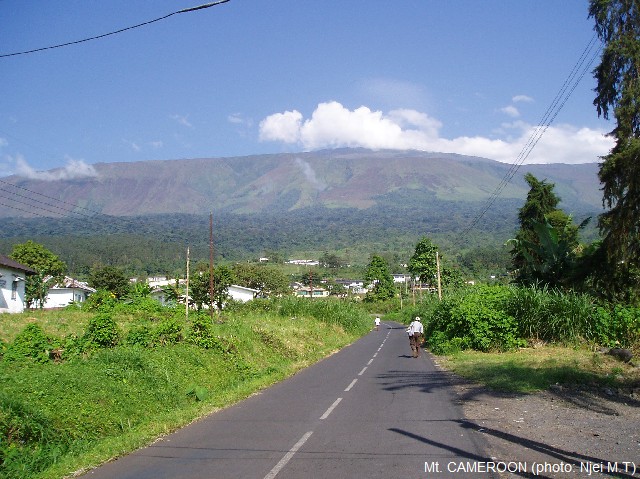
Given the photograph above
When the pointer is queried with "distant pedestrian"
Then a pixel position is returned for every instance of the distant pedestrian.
(415, 336)
(377, 322)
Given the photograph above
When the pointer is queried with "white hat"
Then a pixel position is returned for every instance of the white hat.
(417, 318)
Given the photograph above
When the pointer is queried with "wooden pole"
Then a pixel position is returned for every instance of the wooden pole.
(186, 297)
(211, 264)
(438, 274)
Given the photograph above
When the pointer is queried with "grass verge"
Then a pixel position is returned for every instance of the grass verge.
(535, 369)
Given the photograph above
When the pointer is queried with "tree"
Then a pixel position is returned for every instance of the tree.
(617, 23)
(540, 208)
(47, 265)
(267, 280)
(110, 278)
(378, 275)
(200, 287)
(423, 263)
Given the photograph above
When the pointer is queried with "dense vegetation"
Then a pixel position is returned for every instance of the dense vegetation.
(157, 244)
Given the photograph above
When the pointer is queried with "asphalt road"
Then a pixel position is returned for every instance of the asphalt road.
(369, 411)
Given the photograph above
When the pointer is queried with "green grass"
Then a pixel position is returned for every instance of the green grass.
(57, 418)
(531, 370)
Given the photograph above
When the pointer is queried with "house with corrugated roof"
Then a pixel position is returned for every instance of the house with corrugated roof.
(67, 291)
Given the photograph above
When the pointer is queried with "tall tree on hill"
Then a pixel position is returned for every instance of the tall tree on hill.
(617, 24)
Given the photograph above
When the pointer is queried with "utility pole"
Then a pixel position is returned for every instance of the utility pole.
(211, 265)
(186, 297)
(438, 274)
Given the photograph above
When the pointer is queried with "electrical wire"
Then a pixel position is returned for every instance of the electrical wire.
(184, 10)
(578, 72)
(72, 209)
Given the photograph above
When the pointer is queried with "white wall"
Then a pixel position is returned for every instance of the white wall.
(10, 301)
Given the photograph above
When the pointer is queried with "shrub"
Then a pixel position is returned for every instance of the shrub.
(168, 331)
(201, 332)
(32, 342)
(100, 300)
(102, 331)
(139, 336)
(473, 318)
(616, 326)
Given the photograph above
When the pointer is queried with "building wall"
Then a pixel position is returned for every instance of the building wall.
(11, 292)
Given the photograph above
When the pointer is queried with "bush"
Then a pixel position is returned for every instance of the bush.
(201, 332)
(616, 326)
(32, 342)
(139, 336)
(168, 331)
(99, 301)
(102, 331)
(474, 318)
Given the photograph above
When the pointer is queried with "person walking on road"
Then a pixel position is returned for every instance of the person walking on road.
(415, 336)
(377, 322)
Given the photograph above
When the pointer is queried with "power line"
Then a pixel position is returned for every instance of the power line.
(73, 209)
(579, 70)
(184, 10)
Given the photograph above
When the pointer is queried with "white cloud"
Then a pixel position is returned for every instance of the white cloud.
(183, 120)
(510, 110)
(3, 142)
(332, 125)
(281, 127)
(156, 144)
(522, 99)
(72, 170)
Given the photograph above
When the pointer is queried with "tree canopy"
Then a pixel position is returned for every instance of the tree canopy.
(617, 24)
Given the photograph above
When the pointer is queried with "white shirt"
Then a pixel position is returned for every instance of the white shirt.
(416, 327)
(377, 321)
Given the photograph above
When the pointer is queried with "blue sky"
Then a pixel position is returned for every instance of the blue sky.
(266, 76)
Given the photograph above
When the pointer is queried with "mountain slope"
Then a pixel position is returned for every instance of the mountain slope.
(347, 178)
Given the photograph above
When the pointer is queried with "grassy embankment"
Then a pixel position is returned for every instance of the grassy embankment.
(96, 404)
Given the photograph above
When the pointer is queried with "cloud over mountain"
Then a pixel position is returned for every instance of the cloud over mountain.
(332, 125)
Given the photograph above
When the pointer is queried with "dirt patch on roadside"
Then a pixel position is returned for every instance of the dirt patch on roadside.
(563, 430)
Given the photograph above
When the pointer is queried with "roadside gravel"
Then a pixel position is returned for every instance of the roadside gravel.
(564, 432)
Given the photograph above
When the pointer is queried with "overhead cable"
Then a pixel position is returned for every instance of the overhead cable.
(184, 10)
(582, 66)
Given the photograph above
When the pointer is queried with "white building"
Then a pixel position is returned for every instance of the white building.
(12, 282)
(66, 292)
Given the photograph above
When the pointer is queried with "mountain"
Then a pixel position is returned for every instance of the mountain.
(281, 183)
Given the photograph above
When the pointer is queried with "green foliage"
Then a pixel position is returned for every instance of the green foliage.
(100, 300)
(618, 76)
(551, 315)
(110, 278)
(616, 326)
(29, 441)
(102, 331)
(168, 331)
(269, 281)
(201, 332)
(139, 336)
(423, 264)
(379, 276)
(475, 318)
(32, 343)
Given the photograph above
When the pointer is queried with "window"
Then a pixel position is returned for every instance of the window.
(14, 290)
